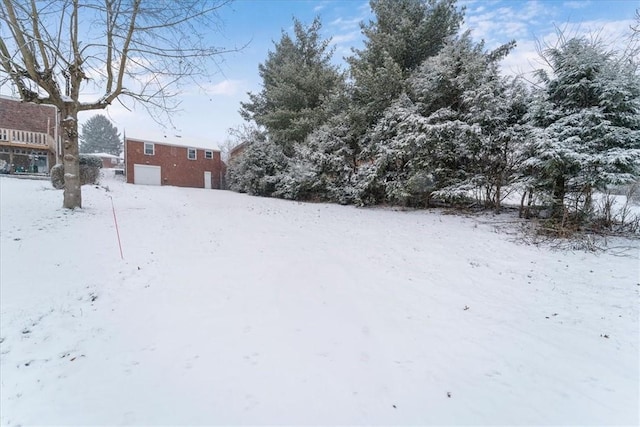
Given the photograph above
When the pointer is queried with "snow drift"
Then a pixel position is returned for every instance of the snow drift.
(229, 309)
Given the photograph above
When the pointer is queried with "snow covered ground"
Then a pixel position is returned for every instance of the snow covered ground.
(229, 309)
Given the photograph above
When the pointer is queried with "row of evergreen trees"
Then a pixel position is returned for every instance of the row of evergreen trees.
(424, 114)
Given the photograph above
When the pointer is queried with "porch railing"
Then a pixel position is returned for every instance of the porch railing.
(26, 138)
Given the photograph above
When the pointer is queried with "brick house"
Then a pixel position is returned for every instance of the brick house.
(29, 136)
(156, 163)
(237, 150)
(109, 161)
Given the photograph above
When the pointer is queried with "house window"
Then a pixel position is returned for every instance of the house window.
(191, 153)
(208, 154)
(149, 149)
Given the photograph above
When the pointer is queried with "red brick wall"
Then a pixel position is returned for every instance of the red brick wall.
(108, 163)
(177, 169)
(15, 114)
(237, 150)
(26, 116)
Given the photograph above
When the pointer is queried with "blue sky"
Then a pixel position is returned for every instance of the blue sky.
(210, 110)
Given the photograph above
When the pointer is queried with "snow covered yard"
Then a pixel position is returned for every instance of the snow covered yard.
(229, 309)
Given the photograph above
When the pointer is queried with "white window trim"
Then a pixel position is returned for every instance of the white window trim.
(195, 154)
(153, 148)
(208, 154)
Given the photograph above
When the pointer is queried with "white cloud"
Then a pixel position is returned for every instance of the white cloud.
(524, 59)
(346, 24)
(537, 22)
(344, 38)
(614, 35)
(576, 4)
(320, 6)
(535, 10)
(225, 88)
(365, 7)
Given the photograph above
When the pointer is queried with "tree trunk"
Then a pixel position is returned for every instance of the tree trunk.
(71, 158)
(558, 197)
(588, 200)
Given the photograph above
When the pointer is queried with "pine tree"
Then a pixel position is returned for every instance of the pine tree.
(325, 164)
(588, 116)
(297, 79)
(459, 130)
(100, 136)
(403, 35)
(259, 169)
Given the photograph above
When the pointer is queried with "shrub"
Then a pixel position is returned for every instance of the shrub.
(89, 169)
(57, 176)
(89, 172)
(90, 161)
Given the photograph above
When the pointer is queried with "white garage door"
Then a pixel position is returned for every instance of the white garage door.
(146, 175)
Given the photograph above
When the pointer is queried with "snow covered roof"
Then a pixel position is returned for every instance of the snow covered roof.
(182, 142)
(105, 155)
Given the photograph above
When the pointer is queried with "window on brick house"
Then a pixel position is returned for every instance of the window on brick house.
(149, 149)
(191, 153)
(208, 154)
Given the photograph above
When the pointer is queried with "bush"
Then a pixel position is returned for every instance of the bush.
(258, 170)
(90, 161)
(89, 169)
(57, 176)
(89, 172)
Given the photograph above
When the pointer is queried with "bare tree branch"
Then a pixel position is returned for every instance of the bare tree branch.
(138, 49)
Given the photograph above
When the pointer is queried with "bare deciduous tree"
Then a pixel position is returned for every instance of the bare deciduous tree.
(60, 52)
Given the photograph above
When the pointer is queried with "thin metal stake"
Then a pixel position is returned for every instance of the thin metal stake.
(115, 220)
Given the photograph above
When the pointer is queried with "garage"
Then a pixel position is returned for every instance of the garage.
(146, 175)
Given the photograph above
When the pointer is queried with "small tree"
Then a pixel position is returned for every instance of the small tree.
(297, 79)
(100, 136)
(588, 114)
(403, 35)
(457, 131)
(258, 170)
(51, 50)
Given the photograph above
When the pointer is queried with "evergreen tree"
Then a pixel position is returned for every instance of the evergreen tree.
(403, 35)
(497, 107)
(297, 78)
(100, 136)
(259, 169)
(588, 115)
(325, 164)
(459, 130)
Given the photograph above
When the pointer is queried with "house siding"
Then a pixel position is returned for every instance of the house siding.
(108, 161)
(177, 169)
(28, 116)
(16, 115)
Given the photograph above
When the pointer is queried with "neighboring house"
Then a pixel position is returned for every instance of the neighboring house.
(237, 150)
(29, 136)
(157, 163)
(109, 161)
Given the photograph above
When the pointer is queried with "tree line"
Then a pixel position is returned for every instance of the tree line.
(423, 116)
